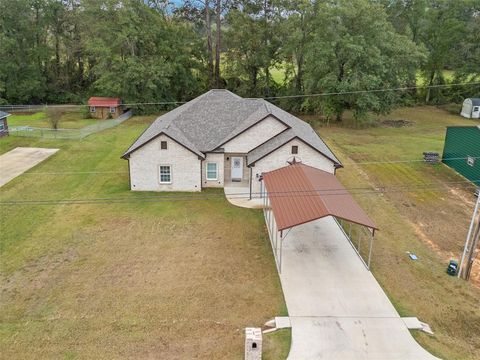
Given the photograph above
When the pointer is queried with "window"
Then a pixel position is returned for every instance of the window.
(165, 174)
(163, 145)
(2, 126)
(112, 110)
(295, 149)
(476, 108)
(212, 173)
(92, 109)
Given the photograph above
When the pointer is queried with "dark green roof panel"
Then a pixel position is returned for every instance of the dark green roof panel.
(462, 151)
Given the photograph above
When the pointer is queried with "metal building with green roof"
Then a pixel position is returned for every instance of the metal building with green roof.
(461, 151)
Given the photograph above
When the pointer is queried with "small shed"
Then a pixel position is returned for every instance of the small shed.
(3, 123)
(471, 108)
(105, 107)
(461, 151)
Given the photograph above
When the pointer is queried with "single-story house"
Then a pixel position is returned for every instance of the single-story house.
(461, 151)
(471, 108)
(105, 107)
(3, 123)
(220, 139)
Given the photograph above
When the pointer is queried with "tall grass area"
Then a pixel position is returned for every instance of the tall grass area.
(144, 277)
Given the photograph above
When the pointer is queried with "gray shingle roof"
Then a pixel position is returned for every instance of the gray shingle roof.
(3, 114)
(475, 101)
(210, 120)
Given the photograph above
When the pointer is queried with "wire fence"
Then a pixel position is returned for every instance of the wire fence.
(47, 133)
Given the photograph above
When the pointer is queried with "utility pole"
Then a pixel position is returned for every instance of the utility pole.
(468, 248)
(472, 254)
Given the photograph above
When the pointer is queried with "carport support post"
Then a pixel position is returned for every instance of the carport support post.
(370, 251)
(359, 240)
(281, 247)
(268, 213)
(276, 238)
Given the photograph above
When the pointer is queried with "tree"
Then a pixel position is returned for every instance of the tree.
(253, 46)
(218, 48)
(54, 115)
(445, 29)
(354, 47)
(141, 55)
(24, 55)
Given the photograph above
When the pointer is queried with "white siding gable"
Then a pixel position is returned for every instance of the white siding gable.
(145, 167)
(279, 157)
(254, 136)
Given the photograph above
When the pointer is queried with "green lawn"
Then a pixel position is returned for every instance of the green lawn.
(276, 345)
(432, 223)
(69, 120)
(144, 277)
(170, 279)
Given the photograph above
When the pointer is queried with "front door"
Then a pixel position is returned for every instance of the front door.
(237, 168)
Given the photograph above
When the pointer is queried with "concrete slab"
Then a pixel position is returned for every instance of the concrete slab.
(238, 194)
(412, 323)
(19, 160)
(336, 307)
(337, 338)
(282, 322)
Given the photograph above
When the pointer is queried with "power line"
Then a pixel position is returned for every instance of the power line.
(373, 90)
(345, 163)
(406, 161)
(36, 107)
(428, 187)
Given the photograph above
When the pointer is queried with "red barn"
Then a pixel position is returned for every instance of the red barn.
(105, 107)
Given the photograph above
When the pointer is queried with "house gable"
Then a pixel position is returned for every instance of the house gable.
(281, 155)
(132, 149)
(254, 136)
(145, 165)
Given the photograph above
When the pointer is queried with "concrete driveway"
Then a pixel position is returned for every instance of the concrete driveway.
(19, 160)
(336, 307)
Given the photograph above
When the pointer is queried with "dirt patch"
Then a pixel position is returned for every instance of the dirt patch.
(467, 200)
(396, 123)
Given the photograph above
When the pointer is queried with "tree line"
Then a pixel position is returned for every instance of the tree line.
(63, 51)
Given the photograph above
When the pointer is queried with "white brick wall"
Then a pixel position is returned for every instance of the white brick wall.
(279, 157)
(256, 135)
(145, 162)
(216, 158)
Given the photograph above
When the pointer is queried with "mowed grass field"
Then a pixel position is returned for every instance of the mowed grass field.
(430, 221)
(69, 120)
(135, 277)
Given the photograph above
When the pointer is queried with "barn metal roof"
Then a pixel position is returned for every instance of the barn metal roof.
(104, 101)
(3, 114)
(300, 193)
(475, 101)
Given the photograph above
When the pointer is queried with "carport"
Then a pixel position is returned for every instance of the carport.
(298, 194)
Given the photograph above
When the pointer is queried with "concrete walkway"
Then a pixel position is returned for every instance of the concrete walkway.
(238, 194)
(336, 307)
(19, 160)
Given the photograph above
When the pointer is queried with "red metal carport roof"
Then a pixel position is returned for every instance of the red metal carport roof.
(104, 101)
(300, 193)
